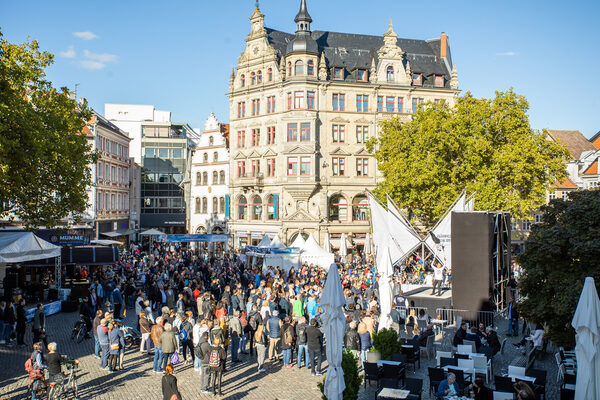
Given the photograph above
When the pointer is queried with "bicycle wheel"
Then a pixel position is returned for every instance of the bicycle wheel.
(74, 388)
(80, 335)
(52, 393)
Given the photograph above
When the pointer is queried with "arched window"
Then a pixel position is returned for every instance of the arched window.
(205, 178)
(242, 207)
(270, 74)
(205, 158)
(243, 80)
(390, 73)
(222, 177)
(253, 78)
(256, 208)
(360, 206)
(215, 156)
(289, 68)
(215, 209)
(215, 178)
(222, 205)
(310, 67)
(259, 76)
(198, 179)
(197, 209)
(204, 205)
(299, 68)
(338, 208)
(271, 206)
(211, 140)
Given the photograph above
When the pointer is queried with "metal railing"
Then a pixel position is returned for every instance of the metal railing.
(473, 317)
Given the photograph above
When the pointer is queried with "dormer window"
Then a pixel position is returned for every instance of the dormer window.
(310, 68)
(390, 74)
(361, 75)
(439, 81)
(259, 76)
(253, 78)
(338, 73)
(299, 68)
(243, 80)
(270, 74)
(418, 79)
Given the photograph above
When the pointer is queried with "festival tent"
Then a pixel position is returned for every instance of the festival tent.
(401, 230)
(586, 322)
(298, 242)
(285, 261)
(152, 232)
(312, 253)
(381, 230)
(276, 243)
(265, 243)
(16, 247)
(334, 323)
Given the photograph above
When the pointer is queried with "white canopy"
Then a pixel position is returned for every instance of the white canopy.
(18, 247)
(298, 242)
(276, 243)
(265, 243)
(312, 253)
(285, 261)
(586, 322)
(152, 232)
(103, 242)
(403, 234)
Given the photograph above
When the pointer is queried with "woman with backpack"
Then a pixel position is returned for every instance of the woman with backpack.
(260, 337)
(216, 364)
(289, 338)
(34, 366)
(186, 338)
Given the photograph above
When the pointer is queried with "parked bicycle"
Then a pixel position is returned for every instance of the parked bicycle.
(39, 385)
(66, 388)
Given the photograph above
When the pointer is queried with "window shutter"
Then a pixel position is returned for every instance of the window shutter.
(276, 206)
(226, 206)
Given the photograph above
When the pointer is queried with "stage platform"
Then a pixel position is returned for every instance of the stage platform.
(423, 298)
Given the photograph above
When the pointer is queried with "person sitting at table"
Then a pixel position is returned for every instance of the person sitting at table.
(524, 391)
(460, 335)
(425, 334)
(492, 340)
(479, 391)
(472, 336)
(481, 331)
(410, 324)
(448, 387)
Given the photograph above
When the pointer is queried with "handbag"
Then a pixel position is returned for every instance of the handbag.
(174, 397)
(114, 346)
(174, 359)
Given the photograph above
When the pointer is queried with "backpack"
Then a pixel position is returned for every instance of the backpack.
(30, 367)
(288, 338)
(214, 360)
(302, 334)
(183, 335)
(254, 321)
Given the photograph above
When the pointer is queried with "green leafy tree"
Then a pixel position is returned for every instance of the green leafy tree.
(486, 146)
(559, 254)
(44, 155)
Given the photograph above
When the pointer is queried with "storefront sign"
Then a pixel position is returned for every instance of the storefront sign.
(70, 239)
(196, 238)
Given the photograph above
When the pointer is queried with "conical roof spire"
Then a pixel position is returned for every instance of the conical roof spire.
(303, 14)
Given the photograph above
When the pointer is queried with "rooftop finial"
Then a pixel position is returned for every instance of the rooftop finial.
(389, 26)
(257, 4)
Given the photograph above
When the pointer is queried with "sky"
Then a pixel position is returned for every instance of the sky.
(178, 54)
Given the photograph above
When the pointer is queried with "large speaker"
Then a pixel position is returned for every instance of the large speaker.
(480, 260)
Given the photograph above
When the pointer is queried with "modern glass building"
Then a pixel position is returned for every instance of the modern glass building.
(166, 156)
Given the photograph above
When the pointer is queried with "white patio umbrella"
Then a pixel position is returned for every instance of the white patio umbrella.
(343, 247)
(327, 245)
(586, 322)
(334, 323)
(386, 271)
(368, 245)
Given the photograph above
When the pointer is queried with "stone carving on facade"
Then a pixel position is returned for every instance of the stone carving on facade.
(373, 72)
(231, 79)
(322, 68)
(408, 71)
(454, 79)
(391, 55)
(390, 48)
(282, 68)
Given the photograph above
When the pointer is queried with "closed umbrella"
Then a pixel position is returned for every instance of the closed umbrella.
(327, 245)
(586, 322)
(386, 271)
(334, 323)
(368, 245)
(343, 247)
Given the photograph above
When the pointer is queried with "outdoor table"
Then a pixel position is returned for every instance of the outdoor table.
(407, 346)
(381, 362)
(439, 323)
(389, 393)
(514, 377)
(472, 354)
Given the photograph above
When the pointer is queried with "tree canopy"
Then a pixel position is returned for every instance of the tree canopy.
(44, 155)
(486, 146)
(559, 254)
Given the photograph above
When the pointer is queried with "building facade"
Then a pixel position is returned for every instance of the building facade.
(302, 107)
(209, 179)
(109, 195)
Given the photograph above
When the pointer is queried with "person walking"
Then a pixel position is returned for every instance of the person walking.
(314, 339)
(117, 299)
(287, 344)
(168, 342)
(39, 326)
(104, 342)
(301, 342)
(235, 327)
(273, 327)
(169, 385)
(10, 318)
(145, 329)
(203, 353)
(513, 319)
(21, 323)
(216, 363)
(155, 333)
(438, 278)
(260, 336)
(254, 320)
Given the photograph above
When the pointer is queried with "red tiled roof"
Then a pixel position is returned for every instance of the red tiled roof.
(592, 169)
(565, 184)
(574, 140)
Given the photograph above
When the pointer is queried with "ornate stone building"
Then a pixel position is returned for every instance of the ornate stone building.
(302, 107)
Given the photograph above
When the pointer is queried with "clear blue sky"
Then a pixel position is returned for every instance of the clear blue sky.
(178, 55)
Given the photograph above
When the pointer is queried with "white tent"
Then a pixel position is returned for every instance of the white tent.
(402, 233)
(381, 230)
(152, 232)
(285, 261)
(265, 243)
(334, 324)
(586, 322)
(106, 242)
(276, 243)
(312, 253)
(298, 242)
(18, 247)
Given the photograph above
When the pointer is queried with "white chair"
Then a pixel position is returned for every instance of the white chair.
(503, 396)
(482, 365)
(514, 370)
(422, 324)
(464, 349)
(468, 364)
(472, 344)
(562, 371)
(440, 354)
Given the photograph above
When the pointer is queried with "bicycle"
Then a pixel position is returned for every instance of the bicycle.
(41, 388)
(79, 331)
(67, 387)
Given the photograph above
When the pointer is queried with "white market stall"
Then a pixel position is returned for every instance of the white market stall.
(280, 256)
(312, 253)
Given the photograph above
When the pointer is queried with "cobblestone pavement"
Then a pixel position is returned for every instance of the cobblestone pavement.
(241, 382)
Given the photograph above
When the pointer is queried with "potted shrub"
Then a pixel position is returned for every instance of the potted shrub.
(386, 342)
(351, 377)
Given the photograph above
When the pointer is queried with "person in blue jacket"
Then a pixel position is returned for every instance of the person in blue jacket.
(448, 387)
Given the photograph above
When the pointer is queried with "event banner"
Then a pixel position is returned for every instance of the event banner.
(49, 309)
(196, 238)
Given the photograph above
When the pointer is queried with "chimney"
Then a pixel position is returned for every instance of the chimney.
(443, 45)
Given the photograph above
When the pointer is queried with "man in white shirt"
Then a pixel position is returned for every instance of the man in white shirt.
(438, 277)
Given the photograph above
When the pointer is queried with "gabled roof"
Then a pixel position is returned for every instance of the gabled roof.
(592, 169)
(352, 51)
(574, 140)
(565, 184)
(595, 140)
